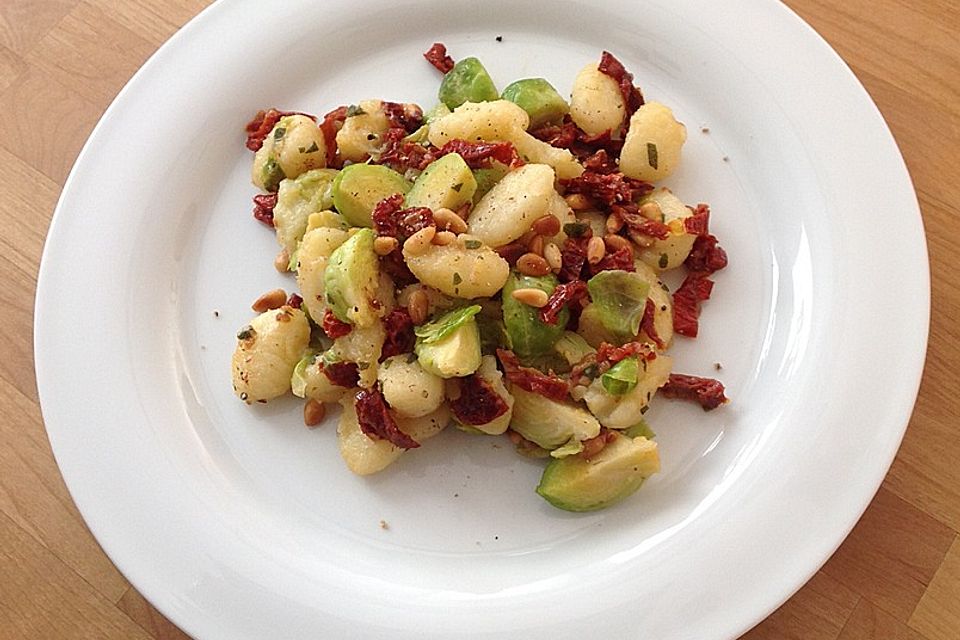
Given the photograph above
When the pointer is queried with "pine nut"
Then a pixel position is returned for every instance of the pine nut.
(578, 201)
(530, 264)
(418, 242)
(553, 256)
(282, 261)
(270, 300)
(444, 238)
(595, 250)
(651, 211)
(448, 220)
(536, 245)
(418, 306)
(614, 223)
(616, 243)
(548, 225)
(533, 297)
(313, 413)
(452, 388)
(593, 446)
(384, 245)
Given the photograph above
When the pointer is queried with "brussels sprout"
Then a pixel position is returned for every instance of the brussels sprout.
(449, 346)
(438, 111)
(468, 81)
(538, 98)
(446, 182)
(576, 484)
(298, 381)
(619, 298)
(622, 412)
(351, 280)
(359, 187)
(297, 199)
(641, 429)
(548, 423)
(486, 178)
(529, 335)
(572, 347)
(622, 377)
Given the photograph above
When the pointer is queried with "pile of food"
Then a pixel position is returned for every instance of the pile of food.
(493, 263)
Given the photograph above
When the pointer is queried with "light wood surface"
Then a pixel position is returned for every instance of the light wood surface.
(62, 61)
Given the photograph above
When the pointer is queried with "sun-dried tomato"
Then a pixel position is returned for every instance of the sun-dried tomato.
(632, 98)
(377, 423)
(582, 145)
(573, 256)
(648, 326)
(437, 56)
(263, 205)
(512, 252)
(562, 136)
(399, 329)
(600, 162)
(479, 403)
(295, 301)
(262, 124)
(695, 289)
(394, 266)
(619, 260)
(640, 224)
(390, 220)
(403, 156)
(406, 116)
(342, 374)
(333, 326)
(706, 256)
(563, 294)
(331, 124)
(608, 188)
(612, 354)
(548, 385)
(478, 155)
(699, 223)
(708, 392)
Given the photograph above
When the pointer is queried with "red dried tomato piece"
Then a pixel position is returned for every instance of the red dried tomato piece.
(619, 260)
(478, 155)
(408, 117)
(377, 423)
(562, 136)
(512, 252)
(706, 256)
(263, 205)
(479, 403)
(332, 123)
(706, 391)
(295, 301)
(695, 289)
(647, 325)
(437, 56)
(573, 256)
(333, 326)
(699, 222)
(342, 374)
(394, 266)
(612, 354)
(400, 338)
(632, 98)
(403, 156)
(639, 224)
(608, 188)
(390, 220)
(530, 379)
(261, 125)
(600, 162)
(563, 294)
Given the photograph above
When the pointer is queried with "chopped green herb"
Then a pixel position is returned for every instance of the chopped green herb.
(246, 333)
(456, 278)
(576, 229)
(472, 244)
(363, 366)
(457, 187)
(313, 148)
(279, 132)
(354, 110)
(652, 155)
(664, 261)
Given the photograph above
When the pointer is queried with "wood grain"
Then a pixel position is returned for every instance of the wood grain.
(897, 577)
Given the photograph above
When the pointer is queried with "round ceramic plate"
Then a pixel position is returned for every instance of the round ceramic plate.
(237, 522)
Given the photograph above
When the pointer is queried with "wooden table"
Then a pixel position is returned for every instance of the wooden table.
(62, 62)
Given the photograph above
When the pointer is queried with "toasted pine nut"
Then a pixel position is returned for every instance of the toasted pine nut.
(448, 220)
(593, 446)
(384, 245)
(553, 256)
(614, 223)
(285, 314)
(530, 264)
(595, 250)
(313, 413)
(273, 299)
(536, 245)
(642, 239)
(548, 225)
(418, 306)
(615, 242)
(578, 201)
(452, 388)
(282, 261)
(651, 211)
(533, 297)
(443, 238)
(418, 242)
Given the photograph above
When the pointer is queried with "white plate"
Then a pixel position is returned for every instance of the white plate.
(239, 523)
